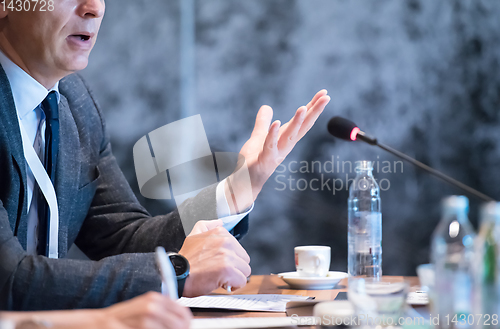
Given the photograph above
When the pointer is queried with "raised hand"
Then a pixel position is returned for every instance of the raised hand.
(268, 146)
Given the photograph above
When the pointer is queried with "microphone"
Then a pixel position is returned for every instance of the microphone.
(349, 131)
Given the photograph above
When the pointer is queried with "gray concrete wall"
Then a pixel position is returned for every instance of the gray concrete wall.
(423, 76)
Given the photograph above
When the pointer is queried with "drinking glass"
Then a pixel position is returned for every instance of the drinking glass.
(378, 302)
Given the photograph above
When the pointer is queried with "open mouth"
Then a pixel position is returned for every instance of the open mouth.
(81, 40)
(82, 37)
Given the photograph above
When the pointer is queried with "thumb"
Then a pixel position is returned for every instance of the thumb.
(203, 226)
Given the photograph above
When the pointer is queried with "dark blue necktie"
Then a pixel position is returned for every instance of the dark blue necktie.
(50, 108)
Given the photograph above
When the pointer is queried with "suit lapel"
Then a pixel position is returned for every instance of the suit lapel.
(10, 123)
(67, 171)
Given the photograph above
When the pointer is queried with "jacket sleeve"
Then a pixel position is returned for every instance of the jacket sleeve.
(39, 283)
(116, 223)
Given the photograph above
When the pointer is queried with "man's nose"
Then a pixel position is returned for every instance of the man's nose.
(91, 8)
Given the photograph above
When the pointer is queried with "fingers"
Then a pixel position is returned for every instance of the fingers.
(176, 316)
(316, 97)
(172, 317)
(262, 121)
(312, 115)
(215, 258)
(311, 105)
(153, 310)
(270, 152)
(230, 243)
(236, 280)
(203, 226)
(211, 224)
(234, 271)
(289, 136)
(242, 266)
(235, 260)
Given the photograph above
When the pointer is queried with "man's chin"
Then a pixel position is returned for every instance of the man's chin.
(76, 64)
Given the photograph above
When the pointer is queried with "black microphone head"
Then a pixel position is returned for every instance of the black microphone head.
(343, 128)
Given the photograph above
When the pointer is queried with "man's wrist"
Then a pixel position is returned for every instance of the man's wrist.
(182, 268)
(239, 200)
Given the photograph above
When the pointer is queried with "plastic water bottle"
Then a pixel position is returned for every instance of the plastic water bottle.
(452, 253)
(365, 224)
(487, 275)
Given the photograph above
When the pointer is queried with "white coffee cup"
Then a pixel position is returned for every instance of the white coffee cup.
(312, 260)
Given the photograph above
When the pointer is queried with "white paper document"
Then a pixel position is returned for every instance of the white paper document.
(239, 323)
(261, 302)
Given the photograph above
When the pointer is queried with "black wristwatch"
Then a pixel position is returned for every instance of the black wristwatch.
(181, 266)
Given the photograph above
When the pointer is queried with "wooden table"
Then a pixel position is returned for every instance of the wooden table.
(272, 284)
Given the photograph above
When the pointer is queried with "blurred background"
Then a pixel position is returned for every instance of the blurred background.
(422, 76)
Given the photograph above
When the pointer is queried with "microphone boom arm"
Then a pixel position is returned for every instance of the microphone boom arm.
(373, 141)
(348, 130)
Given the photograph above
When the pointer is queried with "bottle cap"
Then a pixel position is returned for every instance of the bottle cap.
(363, 165)
(456, 202)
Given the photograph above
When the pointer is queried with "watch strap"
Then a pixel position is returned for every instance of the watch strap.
(180, 286)
(181, 278)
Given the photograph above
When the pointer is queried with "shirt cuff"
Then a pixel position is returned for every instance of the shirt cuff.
(223, 211)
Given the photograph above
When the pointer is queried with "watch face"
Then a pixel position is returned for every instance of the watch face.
(179, 264)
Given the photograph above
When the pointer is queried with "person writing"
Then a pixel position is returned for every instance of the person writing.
(149, 311)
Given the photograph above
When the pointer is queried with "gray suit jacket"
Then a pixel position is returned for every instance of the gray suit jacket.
(98, 212)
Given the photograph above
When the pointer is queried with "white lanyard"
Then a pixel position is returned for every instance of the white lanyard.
(43, 180)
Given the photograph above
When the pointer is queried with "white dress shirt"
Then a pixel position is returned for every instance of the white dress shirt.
(28, 95)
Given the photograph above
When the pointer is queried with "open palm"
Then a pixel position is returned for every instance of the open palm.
(269, 143)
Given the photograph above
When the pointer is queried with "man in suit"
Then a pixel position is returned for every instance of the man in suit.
(39, 52)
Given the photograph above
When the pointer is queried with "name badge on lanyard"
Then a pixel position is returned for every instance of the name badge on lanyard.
(48, 191)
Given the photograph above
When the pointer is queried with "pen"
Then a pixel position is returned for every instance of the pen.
(167, 272)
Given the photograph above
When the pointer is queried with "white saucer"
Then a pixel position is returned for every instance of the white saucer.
(312, 283)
